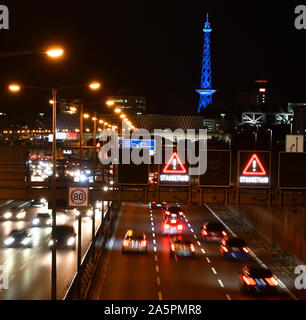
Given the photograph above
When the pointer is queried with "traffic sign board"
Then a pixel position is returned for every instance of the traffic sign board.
(254, 169)
(78, 197)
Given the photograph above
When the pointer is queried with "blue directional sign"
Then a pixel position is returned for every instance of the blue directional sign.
(137, 144)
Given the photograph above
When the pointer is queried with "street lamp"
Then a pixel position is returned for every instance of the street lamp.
(55, 53)
(16, 88)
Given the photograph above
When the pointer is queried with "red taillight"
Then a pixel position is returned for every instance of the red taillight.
(167, 213)
(192, 248)
(180, 227)
(249, 281)
(181, 213)
(166, 226)
(272, 281)
(125, 243)
(224, 248)
(204, 233)
(172, 247)
(224, 233)
(144, 243)
(245, 249)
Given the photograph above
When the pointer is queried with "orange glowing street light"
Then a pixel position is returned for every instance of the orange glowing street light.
(94, 85)
(14, 87)
(110, 102)
(55, 53)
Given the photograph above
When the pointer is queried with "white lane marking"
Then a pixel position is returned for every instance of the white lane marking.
(157, 268)
(151, 218)
(253, 255)
(152, 223)
(207, 259)
(158, 281)
(199, 243)
(154, 249)
(221, 283)
(213, 270)
(153, 229)
(160, 296)
(153, 234)
(154, 241)
(189, 225)
(203, 250)
(228, 297)
(191, 230)
(195, 236)
(156, 258)
(186, 220)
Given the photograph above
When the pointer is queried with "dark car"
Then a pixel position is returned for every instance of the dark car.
(234, 248)
(38, 203)
(42, 220)
(65, 237)
(181, 247)
(14, 213)
(257, 280)
(213, 231)
(18, 238)
(173, 213)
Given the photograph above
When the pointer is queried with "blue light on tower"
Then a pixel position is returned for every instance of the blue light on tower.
(206, 91)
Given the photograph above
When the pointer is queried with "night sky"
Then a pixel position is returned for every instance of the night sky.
(153, 48)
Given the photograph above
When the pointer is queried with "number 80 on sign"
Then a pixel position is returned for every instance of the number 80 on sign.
(78, 197)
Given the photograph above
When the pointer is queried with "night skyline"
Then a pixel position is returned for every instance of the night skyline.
(153, 49)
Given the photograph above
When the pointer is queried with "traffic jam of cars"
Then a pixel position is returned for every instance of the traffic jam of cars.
(253, 278)
(34, 216)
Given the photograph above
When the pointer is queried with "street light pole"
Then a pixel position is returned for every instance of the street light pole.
(53, 197)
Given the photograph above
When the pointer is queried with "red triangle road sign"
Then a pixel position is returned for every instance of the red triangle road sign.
(174, 165)
(254, 167)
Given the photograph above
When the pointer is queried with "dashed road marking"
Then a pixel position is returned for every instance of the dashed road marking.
(191, 230)
(228, 297)
(153, 229)
(154, 241)
(189, 225)
(153, 234)
(158, 281)
(221, 283)
(213, 270)
(207, 259)
(157, 268)
(199, 243)
(160, 296)
(203, 251)
(195, 236)
(156, 258)
(154, 249)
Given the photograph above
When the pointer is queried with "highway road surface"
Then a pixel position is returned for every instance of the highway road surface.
(29, 269)
(156, 276)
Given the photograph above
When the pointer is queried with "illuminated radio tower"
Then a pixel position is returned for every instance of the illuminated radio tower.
(206, 91)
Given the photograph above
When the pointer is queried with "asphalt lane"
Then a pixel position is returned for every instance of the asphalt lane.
(155, 275)
(29, 269)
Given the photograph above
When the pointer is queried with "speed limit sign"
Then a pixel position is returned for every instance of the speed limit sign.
(78, 197)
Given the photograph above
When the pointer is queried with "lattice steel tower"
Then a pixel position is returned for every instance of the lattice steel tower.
(206, 91)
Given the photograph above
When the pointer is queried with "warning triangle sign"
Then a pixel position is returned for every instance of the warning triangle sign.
(254, 167)
(174, 165)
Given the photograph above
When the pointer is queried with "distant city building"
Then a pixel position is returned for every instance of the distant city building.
(133, 104)
(258, 95)
(299, 120)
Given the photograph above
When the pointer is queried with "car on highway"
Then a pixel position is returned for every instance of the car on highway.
(181, 247)
(134, 242)
(84, 213)
(65, 237)
(234, 248)
(257, 280)
(42, 220)
(14, 213)
(173, 227)
(174, 213)
(213, 231)
(37, 203)
(154, 204)
(18, 239)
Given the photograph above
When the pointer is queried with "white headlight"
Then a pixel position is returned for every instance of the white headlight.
(42, 200)
(7, 215)
(9, 241)
(70, 241)
(50, 243)
(105, 188)
(26, 241)
(89, 213)
(49, 221)
(35, 221)
(21, 215)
